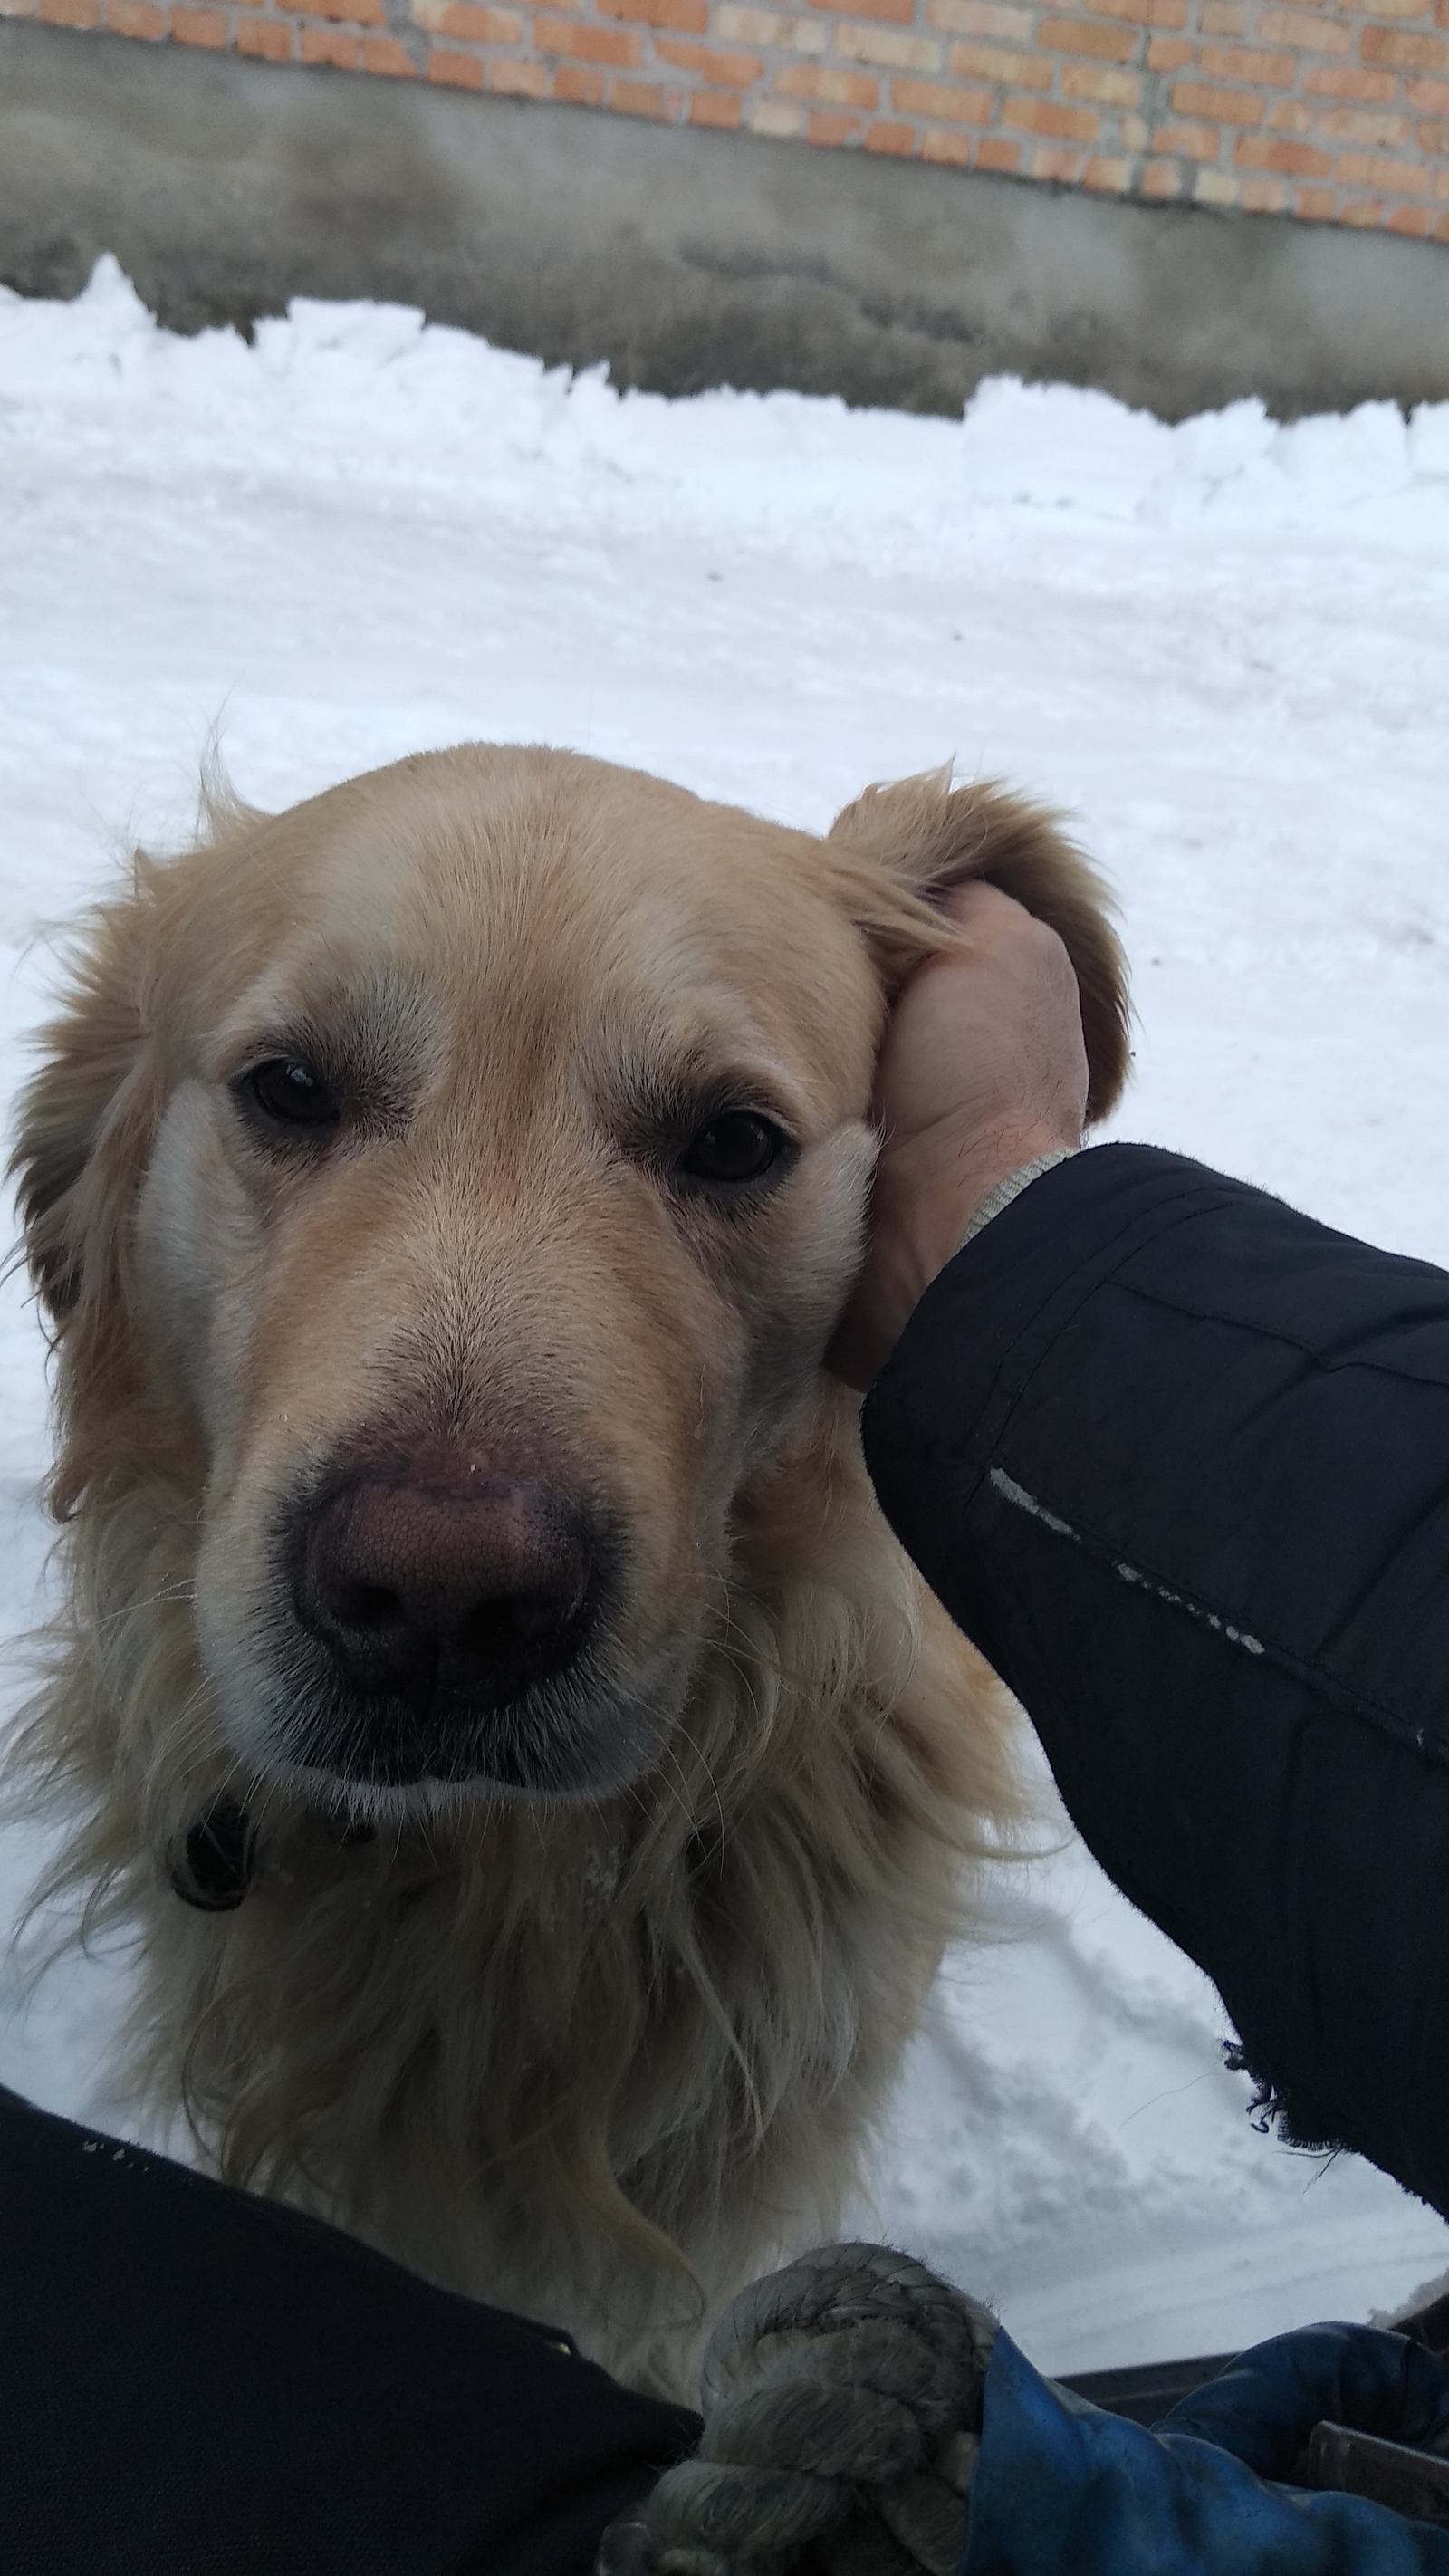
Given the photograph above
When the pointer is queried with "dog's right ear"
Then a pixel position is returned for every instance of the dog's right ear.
(917, 837)
(85, 1125)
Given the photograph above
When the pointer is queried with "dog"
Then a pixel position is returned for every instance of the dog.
(536, 1784)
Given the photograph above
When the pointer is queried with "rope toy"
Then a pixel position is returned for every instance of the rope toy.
(842, 2405)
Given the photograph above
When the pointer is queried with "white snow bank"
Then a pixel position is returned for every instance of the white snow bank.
(1223, 647)
(373, 390)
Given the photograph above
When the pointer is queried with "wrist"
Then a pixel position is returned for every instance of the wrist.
(930, 1195)
(930, 1190)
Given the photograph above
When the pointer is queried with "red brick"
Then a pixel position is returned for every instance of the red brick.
(360, 13)
(455, 71)
(264, 38)
(579, 85)
(722, 71)
(638, 98)
(1359, 125)
(1371, 170)
(943, 98)
(1141, 13)
(938, 144)
(886, 137)
(1085, 36)
(1345, 80)
(206, 27)
(714, 107)
(901, 11)
(1053, 161)
(885, 48)
(1229, 106)
(327, 45)
(1418, 220)
(477, 26)
(1224, 18)
(988, 62)
(385, 55)
(1247, 63)
(1160, 179)
(1434, 138)
(993, 152)
(1168, 53)
(76, 13)
(1195, 142)
(1310, 35)
(1109, 172)
(1298, 160)
(1107, 88)
(518, 80)
(1263, 197)
(1290, 116)
(823, 125)
(1313, 205)
(691, 17)
(135, 18)
(1404, 53)
(1367, 213)
(995, 19)
(1431, 96)
(1044, 116)
(832, 88)
(585, 43)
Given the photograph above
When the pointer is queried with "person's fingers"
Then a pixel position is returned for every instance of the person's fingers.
(990, 1025)
(982, 1069)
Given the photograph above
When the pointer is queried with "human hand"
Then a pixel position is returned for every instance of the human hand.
(842, 2401)
(983, 1068)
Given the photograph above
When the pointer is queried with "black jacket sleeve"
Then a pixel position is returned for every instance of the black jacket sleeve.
(1177, 1460)
(191, 2378)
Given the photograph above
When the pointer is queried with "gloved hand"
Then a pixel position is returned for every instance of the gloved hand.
(862, 2418)
(841, 2402)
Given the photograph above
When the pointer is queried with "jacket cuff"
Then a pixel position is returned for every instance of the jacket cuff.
(999, 1199)
(942, 1402)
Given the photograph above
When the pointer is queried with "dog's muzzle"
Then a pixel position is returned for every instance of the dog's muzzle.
(445, 1599)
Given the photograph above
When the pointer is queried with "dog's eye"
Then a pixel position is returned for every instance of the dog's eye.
(287, 1093)
(736, 1146)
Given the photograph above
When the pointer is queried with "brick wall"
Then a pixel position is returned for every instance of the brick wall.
(1328, 112)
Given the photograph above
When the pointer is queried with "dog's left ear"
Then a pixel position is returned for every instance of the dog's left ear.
(923, 835)
(85, 1119)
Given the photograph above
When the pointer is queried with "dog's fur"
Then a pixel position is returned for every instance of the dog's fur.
(596, 2045)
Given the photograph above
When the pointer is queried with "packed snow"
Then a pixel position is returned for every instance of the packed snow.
(1222, 647)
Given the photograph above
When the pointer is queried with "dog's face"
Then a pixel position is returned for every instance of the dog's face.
(482, 1151)
(507, 1180)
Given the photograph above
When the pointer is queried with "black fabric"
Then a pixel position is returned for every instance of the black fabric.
(196, 2383)
(1177, 1460)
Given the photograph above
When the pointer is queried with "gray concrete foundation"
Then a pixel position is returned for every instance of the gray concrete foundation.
(683, 258)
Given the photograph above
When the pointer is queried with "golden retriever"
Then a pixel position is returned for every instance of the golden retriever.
(441, 1195)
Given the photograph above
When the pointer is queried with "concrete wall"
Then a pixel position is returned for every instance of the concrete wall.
(1329, 111)
(682, 257)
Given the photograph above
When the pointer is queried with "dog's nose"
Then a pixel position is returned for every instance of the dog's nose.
(453, 1589)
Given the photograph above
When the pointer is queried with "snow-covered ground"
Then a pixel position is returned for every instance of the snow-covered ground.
(1224, 647)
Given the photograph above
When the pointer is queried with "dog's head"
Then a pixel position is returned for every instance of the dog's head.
(443, 1194)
